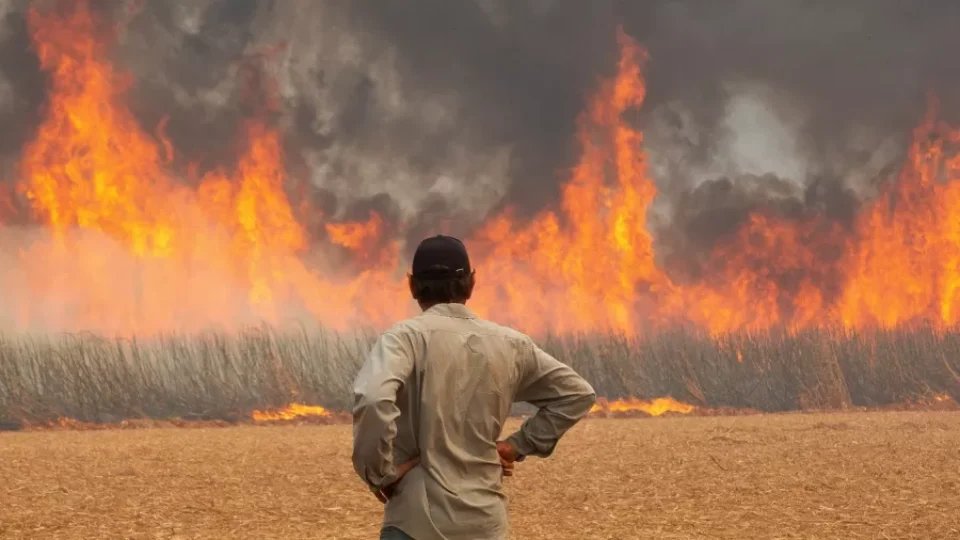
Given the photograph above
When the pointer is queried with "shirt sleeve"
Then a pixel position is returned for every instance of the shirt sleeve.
(561, 395)
(375, 410)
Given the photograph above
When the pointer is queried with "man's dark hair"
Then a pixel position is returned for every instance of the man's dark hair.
(446, 290)
(441, 272)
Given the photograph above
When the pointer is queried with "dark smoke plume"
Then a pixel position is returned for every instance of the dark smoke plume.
(438, 112)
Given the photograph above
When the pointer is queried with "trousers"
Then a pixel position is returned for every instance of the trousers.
(393, 533)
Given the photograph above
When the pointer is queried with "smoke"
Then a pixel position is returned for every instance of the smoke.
(438, 113)
(801, 90)
(789, 107)
(363, 126)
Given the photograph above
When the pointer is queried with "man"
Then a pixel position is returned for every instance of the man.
(432, 399)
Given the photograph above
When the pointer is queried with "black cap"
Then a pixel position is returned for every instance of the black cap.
(441, 257)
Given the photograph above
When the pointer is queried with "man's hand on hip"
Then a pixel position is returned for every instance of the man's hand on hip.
(508, 457)
(385, 494)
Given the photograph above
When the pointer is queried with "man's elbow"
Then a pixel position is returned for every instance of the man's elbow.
(367, 464)
(577, 401)
(591, 397)
(359, 464)
(586, 399)
(586, 402)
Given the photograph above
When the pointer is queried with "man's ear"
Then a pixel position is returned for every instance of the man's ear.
(413, 286)
(471, 283)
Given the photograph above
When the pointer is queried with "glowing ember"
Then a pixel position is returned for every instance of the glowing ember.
(656, 407)
(291, 412)
(70, 423)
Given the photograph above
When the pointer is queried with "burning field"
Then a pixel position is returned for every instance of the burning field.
(710, 210)
(143, 278)
(125, 239)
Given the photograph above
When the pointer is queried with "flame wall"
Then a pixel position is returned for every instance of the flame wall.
(121, 222)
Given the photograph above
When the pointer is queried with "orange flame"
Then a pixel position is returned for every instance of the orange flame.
(128, 246)
(906, 267)
(583, 270)
(290, 412)
(592, 267)
(657, 407)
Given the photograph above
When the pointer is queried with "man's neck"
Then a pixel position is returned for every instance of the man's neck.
(425, 307)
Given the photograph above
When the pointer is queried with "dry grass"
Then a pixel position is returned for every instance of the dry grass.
(792, 476)
(226, 376)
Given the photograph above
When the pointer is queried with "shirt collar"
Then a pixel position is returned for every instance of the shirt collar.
(457, 311)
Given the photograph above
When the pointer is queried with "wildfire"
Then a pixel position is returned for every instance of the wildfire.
(590, 265)
(290, 412)
(130, 241)
(583, 269)
(657, 407)
(130, 247)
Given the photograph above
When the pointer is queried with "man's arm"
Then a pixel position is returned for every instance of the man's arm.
(562, 396)
(375, 410)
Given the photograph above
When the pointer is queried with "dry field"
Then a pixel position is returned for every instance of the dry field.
(852, 476)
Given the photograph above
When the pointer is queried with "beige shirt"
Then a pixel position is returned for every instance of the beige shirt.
(440, 386)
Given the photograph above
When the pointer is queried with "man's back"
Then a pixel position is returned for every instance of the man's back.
(446, 381)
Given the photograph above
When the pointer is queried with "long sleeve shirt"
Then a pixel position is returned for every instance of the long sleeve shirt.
(439, 387)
